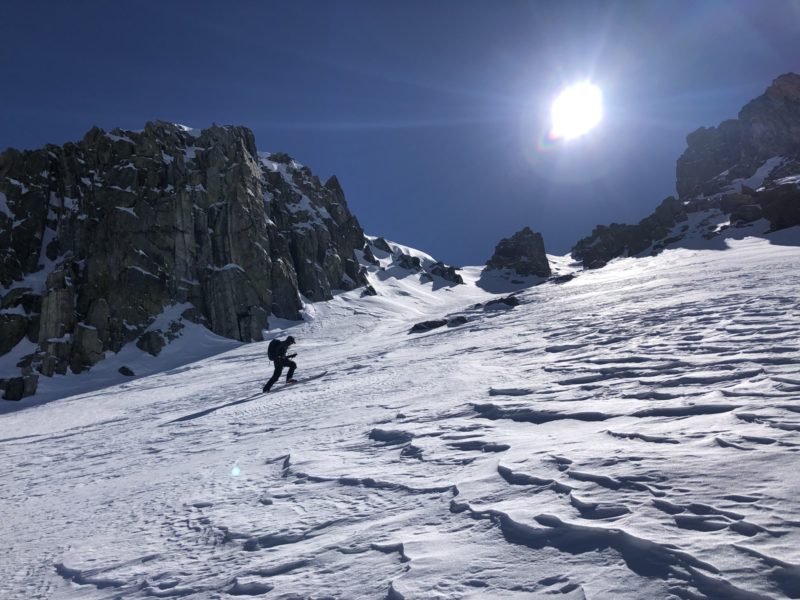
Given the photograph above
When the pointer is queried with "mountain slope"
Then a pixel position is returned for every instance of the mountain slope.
(607, 438)
(745, 170)
(101, 238)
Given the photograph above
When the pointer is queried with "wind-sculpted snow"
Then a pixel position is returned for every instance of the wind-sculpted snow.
(632, 433)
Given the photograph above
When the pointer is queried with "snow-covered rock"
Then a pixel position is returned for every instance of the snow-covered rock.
(107, 232)
(742, 171)
(628, 434)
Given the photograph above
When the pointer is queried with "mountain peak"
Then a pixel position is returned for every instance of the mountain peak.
(785, 86)
(767, 127)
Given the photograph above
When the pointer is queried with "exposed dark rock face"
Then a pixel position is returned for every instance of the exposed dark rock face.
(522, 253)
(382, 244)
(391, 436)
(607, 242)
(12, 330)
(424, 326)
(16, 388)
(151, 342)
(368, 291)
(766, 127)
(745, 169)
(405, 261)
(428, 325)
(780, 206)
(369, 256)
(446, 272)
(563, 278)
(502, 303)
(98, 237)
(456, 321)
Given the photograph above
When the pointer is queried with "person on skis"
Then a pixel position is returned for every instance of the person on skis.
(276, 352)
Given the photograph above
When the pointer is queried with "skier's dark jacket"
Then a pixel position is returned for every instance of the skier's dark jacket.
(278, 349)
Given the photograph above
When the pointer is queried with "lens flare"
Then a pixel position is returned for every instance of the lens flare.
(235, 471)
(576, 111)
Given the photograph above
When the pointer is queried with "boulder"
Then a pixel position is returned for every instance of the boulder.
(151, 342)
(781, 206)
(14, 297)
(428, 325)
(406, 261)
(563, 278)
(12, 329)
(445, 272)
(17, 388)
(390, 437)
(123, 370)
(502, 303)
(522, 253)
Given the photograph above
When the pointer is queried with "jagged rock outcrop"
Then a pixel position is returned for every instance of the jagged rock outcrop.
(522, 253)
(446, 272)
(406, 261)
(428, 325)
(741, 171)
(610, 241)
(381, 254)
(766, 128)
(382, 245)
(98, 237)
(502, 303)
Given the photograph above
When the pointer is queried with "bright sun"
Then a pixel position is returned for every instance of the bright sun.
(576, 110)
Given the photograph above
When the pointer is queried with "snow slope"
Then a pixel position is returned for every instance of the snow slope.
(631, 433)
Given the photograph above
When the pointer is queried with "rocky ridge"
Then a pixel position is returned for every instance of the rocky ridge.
(395, 260)
(100, 237)
(766, 135)
(523, 253)
(732, 175)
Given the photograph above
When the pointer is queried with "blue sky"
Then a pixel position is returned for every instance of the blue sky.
(430, 113)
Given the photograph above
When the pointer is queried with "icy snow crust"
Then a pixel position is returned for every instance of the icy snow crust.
(630, 434)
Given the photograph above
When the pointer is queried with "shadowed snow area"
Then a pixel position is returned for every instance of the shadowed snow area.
(631, 433)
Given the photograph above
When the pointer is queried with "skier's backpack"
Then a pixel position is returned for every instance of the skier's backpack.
(272, 349)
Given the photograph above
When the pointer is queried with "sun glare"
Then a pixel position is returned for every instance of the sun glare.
(576, 110)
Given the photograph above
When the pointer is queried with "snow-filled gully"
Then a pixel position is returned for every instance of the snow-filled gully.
(630, 434)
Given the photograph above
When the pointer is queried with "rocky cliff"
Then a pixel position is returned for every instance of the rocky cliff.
(99, 237)
(523, 254)
(744, 170)
(766, 135)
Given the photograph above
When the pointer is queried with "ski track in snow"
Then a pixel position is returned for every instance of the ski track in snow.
(633, 433)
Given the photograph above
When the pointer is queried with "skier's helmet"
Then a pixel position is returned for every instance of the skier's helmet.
(290, 340)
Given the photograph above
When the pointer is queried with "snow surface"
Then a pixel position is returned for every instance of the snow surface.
(791, 179)
(757, 179)
(632, 433)
(128, 210)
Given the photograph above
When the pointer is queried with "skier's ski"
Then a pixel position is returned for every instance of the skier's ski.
(303, 380)
(202, 413)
